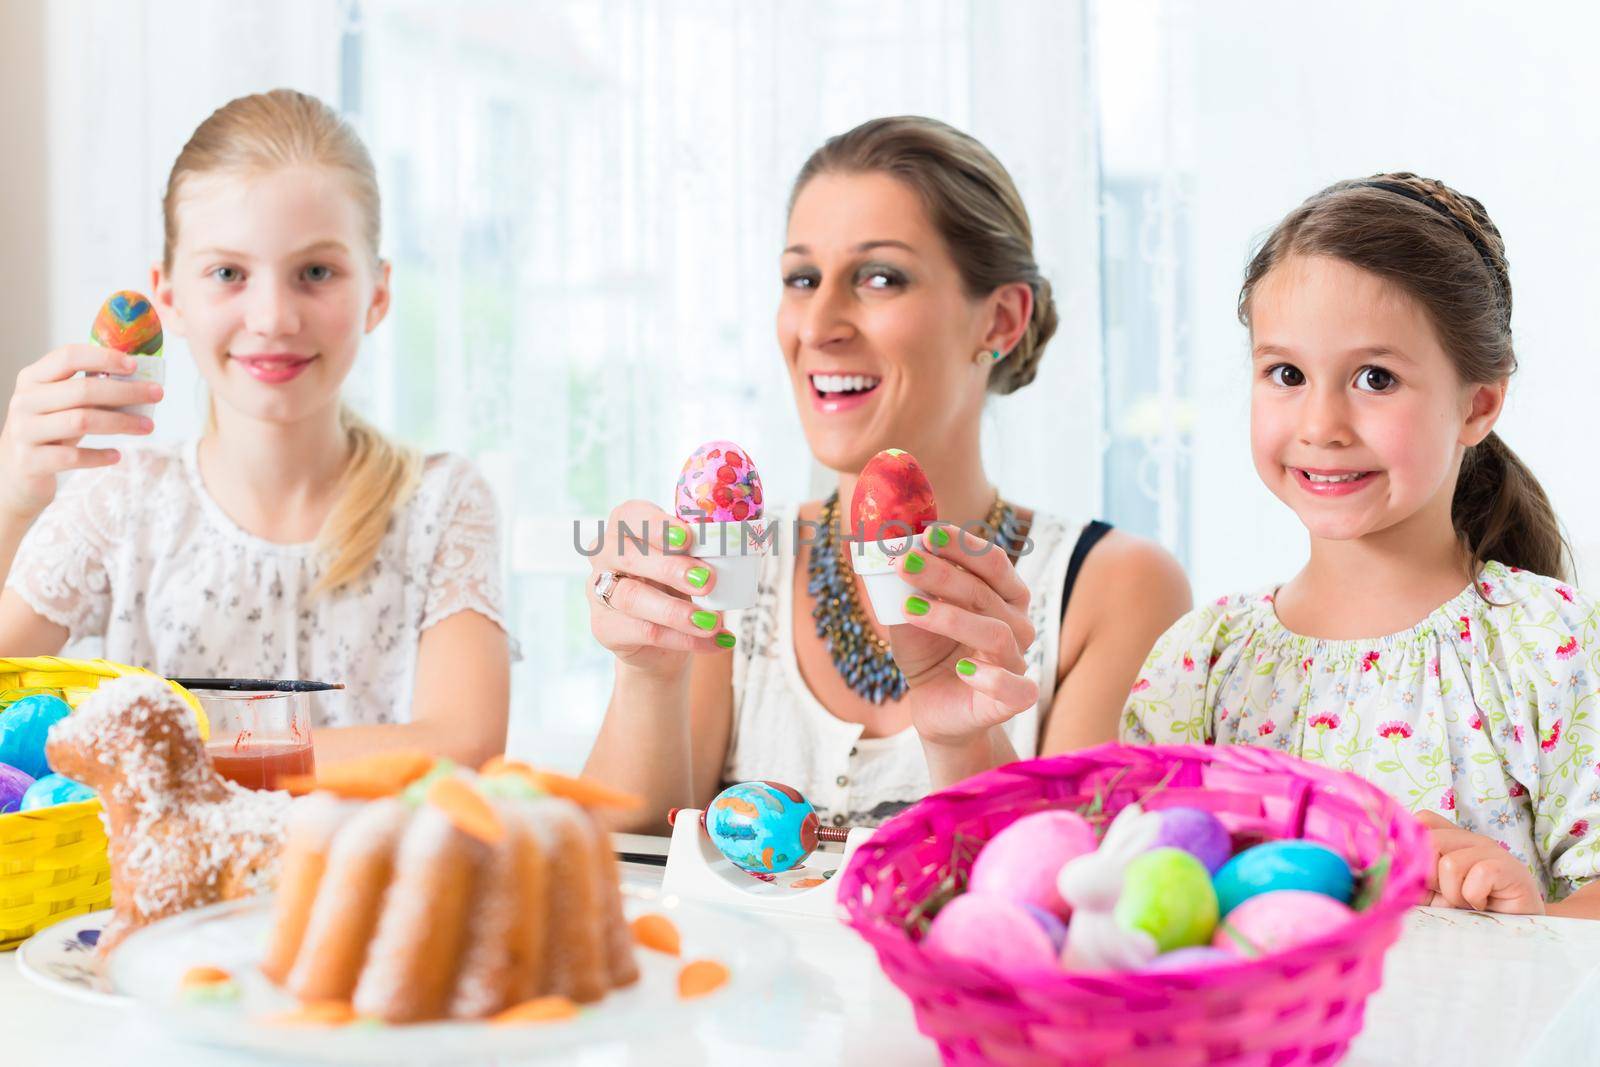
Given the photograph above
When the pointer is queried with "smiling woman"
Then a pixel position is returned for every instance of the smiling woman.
(291, 540)
(910, 293)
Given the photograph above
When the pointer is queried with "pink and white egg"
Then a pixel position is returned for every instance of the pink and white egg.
(718, 483)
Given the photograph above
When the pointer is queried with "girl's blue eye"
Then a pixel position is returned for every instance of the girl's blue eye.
(1286, 375)
(227, 275)
(318, 273)
(1375, 380)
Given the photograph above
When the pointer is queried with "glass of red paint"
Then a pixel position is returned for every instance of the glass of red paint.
(258, 739)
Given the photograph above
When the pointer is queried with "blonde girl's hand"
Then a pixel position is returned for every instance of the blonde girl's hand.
(962, 650)
(645, 617)
(52, 410)
(1473, 871)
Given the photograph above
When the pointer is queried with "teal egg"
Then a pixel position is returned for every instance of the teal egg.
(25, 726)
(55, 789)
(1167, 893)
(763, 827)
(1276, 865)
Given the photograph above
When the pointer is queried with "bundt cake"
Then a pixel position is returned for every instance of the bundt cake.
(459, 896)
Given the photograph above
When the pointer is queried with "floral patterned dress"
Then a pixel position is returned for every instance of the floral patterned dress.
(1484, 711)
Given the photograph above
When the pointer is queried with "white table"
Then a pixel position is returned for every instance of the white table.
(1459, 988)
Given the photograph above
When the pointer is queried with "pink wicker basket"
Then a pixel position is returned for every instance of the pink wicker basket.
(1301, 1006)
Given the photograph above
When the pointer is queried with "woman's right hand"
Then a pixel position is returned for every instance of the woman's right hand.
(649, 622)
(52, 410)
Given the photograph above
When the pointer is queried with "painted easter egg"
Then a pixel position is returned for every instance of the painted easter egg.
(718, 483)
(13, 787)
(128, 323)
(993, 931)
(893, 498)
(25, 726)
(1281, 919)
(55, 789)
(1023, 861)
(1167, 893)
(1197, 832)
(1050, 923)
(1283, 865)
(1193, 958)
(762, 826)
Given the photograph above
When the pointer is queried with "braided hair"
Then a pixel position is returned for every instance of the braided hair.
(1440, 247)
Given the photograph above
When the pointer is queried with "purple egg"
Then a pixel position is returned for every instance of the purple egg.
(1193, 958)
(1197, 832)
(993, 931)
(13, 784)
(1050, 923)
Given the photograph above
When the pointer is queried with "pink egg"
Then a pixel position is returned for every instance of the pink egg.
(993, 931)
(1022, 862)
(1281, 919)
(719, 483)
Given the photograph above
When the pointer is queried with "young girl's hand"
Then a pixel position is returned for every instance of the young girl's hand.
(52, 410)
(647, 619)
(1473, 871)
(963, 655)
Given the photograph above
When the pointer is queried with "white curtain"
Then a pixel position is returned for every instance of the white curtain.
(584, 205)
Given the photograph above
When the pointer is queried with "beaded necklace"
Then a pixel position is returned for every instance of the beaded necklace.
(861, 657)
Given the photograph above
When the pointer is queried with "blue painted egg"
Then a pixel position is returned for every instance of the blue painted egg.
(55, 789)
(24, 726)
(762, 827)
(14, 786)
(1278, 865)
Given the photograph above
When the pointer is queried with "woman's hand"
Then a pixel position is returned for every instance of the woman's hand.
(52, 410)
(649, 622)
(1473, 871)
(962, 650)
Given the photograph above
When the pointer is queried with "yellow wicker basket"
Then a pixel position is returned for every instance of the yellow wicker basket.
(53, 860)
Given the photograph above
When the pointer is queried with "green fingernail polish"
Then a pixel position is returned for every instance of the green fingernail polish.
(914, 563)
(676, 536)
(706, 620)
(698, 577)
(726, 640)
(915, 605)
(939, 537)
(966, 667)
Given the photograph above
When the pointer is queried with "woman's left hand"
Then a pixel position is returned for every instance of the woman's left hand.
(962, 650)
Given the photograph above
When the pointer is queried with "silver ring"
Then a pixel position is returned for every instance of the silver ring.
(605, 583)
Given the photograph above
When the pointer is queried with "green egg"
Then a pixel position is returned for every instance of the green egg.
(1167, 893)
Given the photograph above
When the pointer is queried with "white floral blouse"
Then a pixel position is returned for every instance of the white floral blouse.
(140, 555)
(1484, 711)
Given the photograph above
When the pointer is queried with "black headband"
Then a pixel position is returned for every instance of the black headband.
(1456, 220)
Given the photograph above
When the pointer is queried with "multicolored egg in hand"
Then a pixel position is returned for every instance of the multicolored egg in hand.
(128, 323)
(893, 498)
(719, 483)
(762, 827)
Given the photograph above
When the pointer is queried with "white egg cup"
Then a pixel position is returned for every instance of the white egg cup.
(887, 592)
(146, 369)
(695, 869)
(734, 551)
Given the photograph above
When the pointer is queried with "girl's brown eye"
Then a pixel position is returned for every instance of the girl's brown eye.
(1374, 380)
(1286, 375)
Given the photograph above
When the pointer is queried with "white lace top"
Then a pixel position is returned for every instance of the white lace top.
(782, 732)
(140, 555)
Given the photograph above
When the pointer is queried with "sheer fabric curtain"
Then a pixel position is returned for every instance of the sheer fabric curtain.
(584, 204)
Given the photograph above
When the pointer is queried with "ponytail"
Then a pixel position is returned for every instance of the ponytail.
(380, 477)
(1502, 513)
